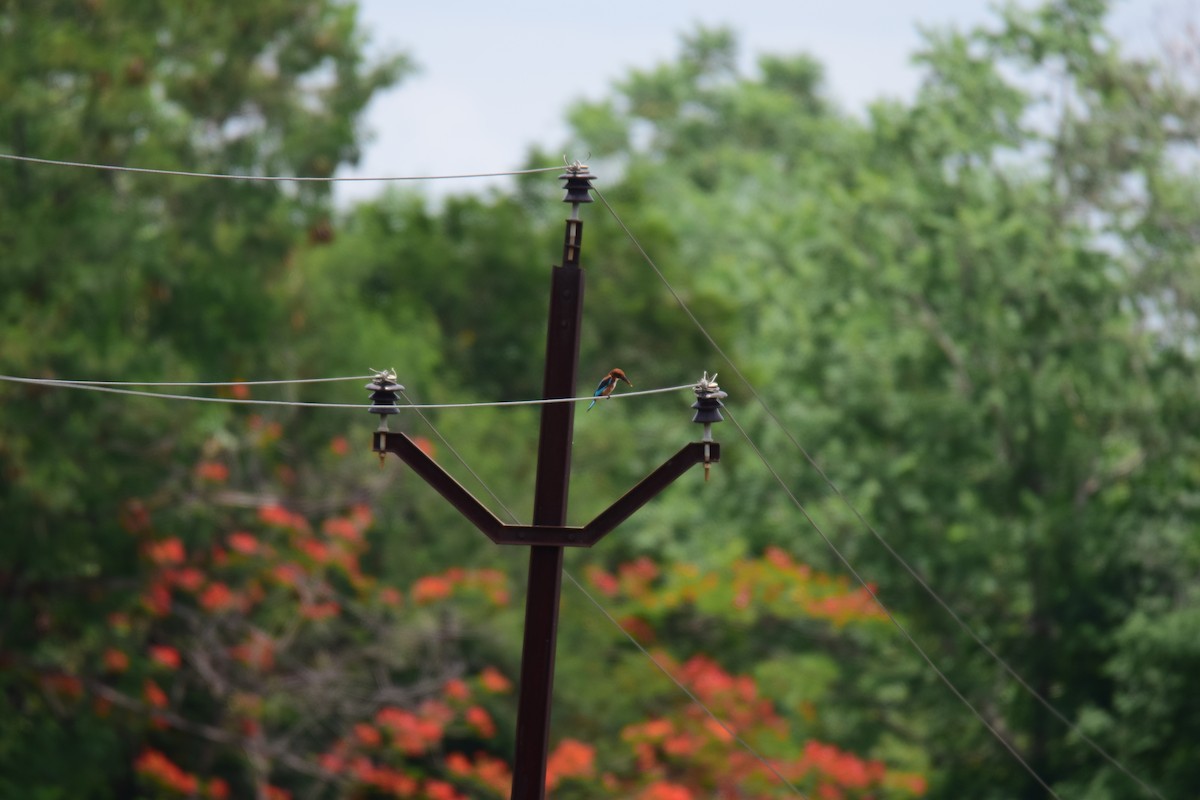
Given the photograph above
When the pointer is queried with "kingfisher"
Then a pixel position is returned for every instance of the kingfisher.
(606, 386)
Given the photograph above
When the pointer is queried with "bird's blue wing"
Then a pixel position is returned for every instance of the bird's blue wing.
(604, 384)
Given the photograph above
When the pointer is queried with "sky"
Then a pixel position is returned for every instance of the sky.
(494, 78)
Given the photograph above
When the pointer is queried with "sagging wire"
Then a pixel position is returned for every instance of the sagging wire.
(211, 383)
(97, 387)
(591, 598)
(862, 520)
(272, 178)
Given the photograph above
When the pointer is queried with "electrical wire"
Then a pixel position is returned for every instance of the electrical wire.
(55, 383)
(212, 383)
(272, 178)
(862, 520)
(567, 573)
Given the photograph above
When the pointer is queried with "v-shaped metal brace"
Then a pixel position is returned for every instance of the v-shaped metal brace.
(558, 536)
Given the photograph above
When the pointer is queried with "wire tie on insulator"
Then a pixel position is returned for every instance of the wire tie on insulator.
(383, 389)
(708, 411)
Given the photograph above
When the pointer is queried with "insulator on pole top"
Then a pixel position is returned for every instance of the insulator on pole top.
(579, 184)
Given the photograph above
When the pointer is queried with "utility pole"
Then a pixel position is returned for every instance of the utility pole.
(549, 533)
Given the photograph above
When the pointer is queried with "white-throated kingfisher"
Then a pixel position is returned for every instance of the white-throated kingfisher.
(606, 386)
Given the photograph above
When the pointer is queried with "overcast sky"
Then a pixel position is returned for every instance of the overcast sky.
(497, 77)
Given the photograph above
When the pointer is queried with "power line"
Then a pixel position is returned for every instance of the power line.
(54, 383)
(271, 178)
(862, 520)
(745, 745)
(210, 383)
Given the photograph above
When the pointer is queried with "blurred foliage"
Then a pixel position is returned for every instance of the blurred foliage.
(976, 310)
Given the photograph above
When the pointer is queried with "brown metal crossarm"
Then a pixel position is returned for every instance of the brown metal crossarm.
(553, 535)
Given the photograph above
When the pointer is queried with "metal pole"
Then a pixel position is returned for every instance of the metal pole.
(548, 534)
(550, 507)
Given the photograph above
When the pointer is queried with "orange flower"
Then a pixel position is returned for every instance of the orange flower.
(603, 581)
(638, 628)
(641, 570)
(281, 517)
(319, 611)
(456, 689)
(392, 782)
(157, 599)
(342, 528)
(404, 728)
(362, 515)
(154, 694)
(440, 790)
(317, 551)
(332, 761)
(275, 793)
(218, 789)
(289, 574)
(571, 759)
(431, 588)
(167, 551)
(719, 731)
(479, 719)
(681, 746)
(243, 542)
(391, 597)
(493, 772)
(458, 764)
(425, 446)
(218, 597)
(367, 734)
(212, 471)
(165, 655)
(339, 446)
(661, 790)
(652, 730)
(188, 578)
(115, 660)
(157, 767)
(493, 681)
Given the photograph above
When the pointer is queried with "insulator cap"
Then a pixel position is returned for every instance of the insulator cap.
(579, 184)
(383, 389)
(708, 401)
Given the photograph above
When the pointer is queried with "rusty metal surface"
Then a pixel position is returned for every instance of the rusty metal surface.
(537, 672)
(645, 490)
(549, 508)
(547, 535)
(432, 473)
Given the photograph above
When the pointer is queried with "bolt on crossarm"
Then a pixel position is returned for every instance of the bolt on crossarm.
(549, 534)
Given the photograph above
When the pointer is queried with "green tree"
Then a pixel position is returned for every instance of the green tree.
(108, 275)
(976, 310)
